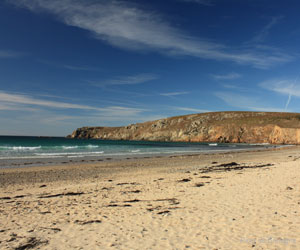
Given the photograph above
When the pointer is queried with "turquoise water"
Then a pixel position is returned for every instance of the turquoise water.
(18, 147)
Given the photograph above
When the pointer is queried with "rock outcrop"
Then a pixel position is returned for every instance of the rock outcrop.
(227, 127)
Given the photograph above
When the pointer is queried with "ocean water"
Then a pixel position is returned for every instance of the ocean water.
(24, 149)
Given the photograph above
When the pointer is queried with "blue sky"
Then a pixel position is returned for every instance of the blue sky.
(71, 63)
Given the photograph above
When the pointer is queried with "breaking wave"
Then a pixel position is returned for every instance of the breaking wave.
(20, 148)
(69, 153)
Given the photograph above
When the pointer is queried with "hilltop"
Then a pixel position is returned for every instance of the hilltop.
(225, 127)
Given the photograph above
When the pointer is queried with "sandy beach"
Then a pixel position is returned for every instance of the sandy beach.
(241, 200)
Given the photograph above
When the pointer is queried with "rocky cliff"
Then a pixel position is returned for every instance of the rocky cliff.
(234, 127)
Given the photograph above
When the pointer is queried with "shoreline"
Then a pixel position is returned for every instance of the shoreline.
(169, 159)
(28, 162)
(235, 200)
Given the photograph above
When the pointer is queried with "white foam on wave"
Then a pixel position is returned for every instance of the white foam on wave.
(70, 153)
(69, 147)
(213, 144)
(118, 154)
(21, 148)
(135, 151)
(92, 146)
(76, 147)
(27, 157)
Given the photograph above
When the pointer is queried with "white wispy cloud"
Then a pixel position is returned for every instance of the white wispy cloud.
(236, 100)
(269, 109)
(50, 123)
(192, 109)
(288, 102)
(9, 101)
(282, 86)
(68, 66)
(230, 86)
(97, 120)
(13, 107)
(116, 111)
(174, 93)
(126, 25)
(289, 87)
(28, 100)
(202, 2)
(237, 88)
(246, 102)
(264, 32)
(9, 54)
(229, 76)
(128, 80)
(80, 68)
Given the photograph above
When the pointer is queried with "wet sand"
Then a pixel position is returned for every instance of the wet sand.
(238, 200)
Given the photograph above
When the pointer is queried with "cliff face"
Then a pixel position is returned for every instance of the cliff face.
(234, 127)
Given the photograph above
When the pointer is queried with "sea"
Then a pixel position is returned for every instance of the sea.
(25, 151)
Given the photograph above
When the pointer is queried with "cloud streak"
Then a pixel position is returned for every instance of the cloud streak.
(68, 66)
(28, 100)
(9, 54)
(174, 93)
(282, 86)
(202, 2)
(80, 68)
(126, 25)
(192, 110)
(9, 101)
(230, 76)
(128, 80)
(13, 107)
(245, 102)
(262, 35)
(288, 102)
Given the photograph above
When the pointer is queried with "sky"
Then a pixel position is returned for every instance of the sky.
(65, 64)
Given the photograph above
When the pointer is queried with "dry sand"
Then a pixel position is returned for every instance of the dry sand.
(178, 202)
